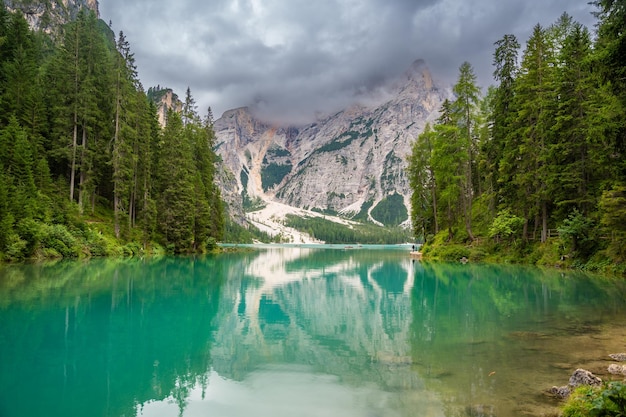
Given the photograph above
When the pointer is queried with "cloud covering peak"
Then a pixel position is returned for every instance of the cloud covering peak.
(295, 58)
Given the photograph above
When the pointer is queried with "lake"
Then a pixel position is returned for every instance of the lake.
(298, 331)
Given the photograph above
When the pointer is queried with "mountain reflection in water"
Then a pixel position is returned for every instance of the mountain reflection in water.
(303, 331)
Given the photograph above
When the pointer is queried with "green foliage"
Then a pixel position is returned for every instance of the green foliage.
(340, 142)
(505, 225)
(86, 170)
(391, 210)
(439, 248)
(58, 239)
(606, 401)
(211, 244)
(579, 403)
(578, 235)
(273, 174)
(362, 216)
(249, 204)
(331, 232)
(235, 233)
(543, 150)
(391, 171)
(423, 186)
(613, 211)
(278, 152)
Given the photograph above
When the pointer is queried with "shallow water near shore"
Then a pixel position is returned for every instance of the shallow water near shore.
(303, 330)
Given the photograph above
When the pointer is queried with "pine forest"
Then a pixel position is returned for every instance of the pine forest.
(534, 170)
(530, 170)
(86, 169)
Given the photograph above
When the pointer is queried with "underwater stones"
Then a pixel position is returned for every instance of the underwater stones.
(561, 392)
(579, 377)
(617, 369)
(618, 356)
(583, 377)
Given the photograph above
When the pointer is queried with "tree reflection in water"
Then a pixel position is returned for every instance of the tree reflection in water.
(303, 331)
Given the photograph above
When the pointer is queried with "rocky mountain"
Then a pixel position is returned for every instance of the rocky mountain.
(49, 15)
(349, 163)
(165, 99)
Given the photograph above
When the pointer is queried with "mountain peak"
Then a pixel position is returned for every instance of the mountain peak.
(419, 72)
(352, 161)
(418, 65)
(48, 16)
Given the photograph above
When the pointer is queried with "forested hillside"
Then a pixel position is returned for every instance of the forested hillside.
(85, 168)
(535, 169)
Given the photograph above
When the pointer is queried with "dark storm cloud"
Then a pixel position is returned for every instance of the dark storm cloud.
(294, 58)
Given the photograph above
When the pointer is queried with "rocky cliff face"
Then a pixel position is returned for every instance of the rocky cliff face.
(349, 162)
(49, 15)
(165, 100)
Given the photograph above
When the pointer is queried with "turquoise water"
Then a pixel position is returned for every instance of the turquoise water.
(298, 331)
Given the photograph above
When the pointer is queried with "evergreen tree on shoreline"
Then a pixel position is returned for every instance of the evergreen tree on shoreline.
(86, 153)
(551, 153)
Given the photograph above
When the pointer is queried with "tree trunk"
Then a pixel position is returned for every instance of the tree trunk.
(434, 192)
(74, 145)
(75, 133)
(467, 211)
(116, 170)
(544, 221)
(83, 173)
(525, 228)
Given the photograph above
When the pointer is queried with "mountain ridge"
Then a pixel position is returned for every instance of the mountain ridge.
(49, 16)
(347, 163)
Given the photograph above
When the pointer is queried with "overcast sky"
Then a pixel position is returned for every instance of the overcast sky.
(295, 57)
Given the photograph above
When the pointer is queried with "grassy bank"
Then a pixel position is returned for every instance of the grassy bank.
(555, 253)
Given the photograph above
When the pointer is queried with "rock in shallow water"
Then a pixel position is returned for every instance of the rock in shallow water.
(579, 377)
(561, 392)
(583, 377)
(617, 369)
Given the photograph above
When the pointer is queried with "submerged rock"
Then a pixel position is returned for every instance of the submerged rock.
(617, 369)
(561, 392)
(583, 377)
(579, 377)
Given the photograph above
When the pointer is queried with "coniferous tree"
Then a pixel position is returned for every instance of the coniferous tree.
(17, 160)
(75, 77)
(124, 130)
(19, 67)
(465, 109)
(573, 170)
(175, 202)
(423, 185)
(501, 113)
(530, 138)
(190, 114)
(449, 164)
(150, 136)
(551, 152)
(93, 129)
(610, 63)
(611, 43)
(215, 199)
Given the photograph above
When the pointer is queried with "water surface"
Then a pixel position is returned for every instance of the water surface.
(303, 331)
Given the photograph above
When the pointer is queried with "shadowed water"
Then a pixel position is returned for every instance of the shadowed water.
(304, 331)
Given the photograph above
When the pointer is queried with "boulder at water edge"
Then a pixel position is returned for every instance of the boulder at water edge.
(579, 377)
